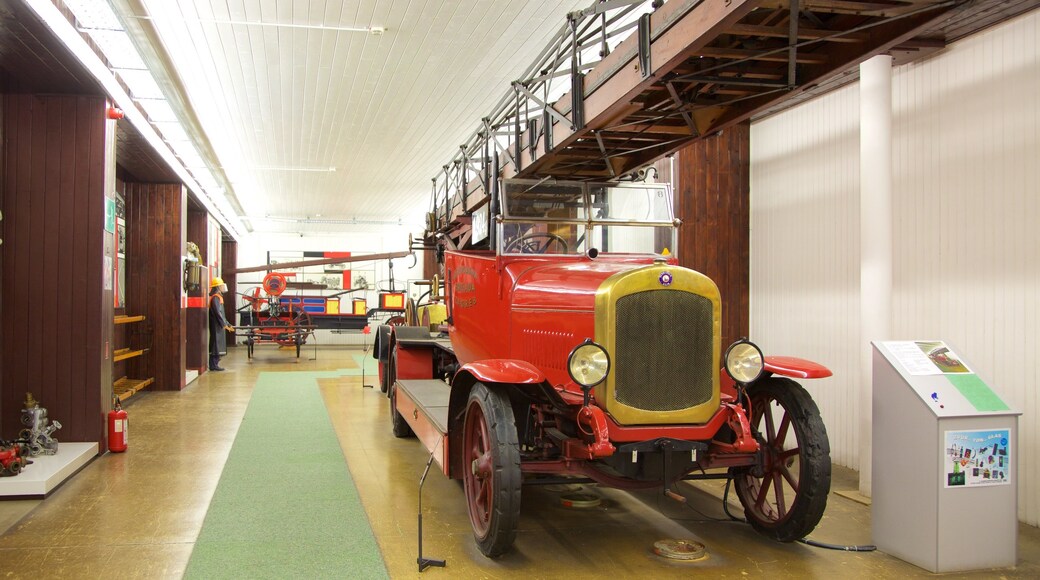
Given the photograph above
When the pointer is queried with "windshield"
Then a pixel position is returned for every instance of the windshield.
(551, 217)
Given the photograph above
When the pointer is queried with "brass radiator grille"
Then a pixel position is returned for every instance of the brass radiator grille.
(663, 359)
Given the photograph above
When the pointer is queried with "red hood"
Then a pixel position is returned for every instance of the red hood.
(564, 285)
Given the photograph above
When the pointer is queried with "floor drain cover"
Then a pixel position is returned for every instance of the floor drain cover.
(680, 549)
(561, 487)
(580, 500)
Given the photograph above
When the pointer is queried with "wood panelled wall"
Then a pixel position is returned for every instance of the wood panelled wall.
(712, 189)
(56, 322)
(196, 318)
(155, 243)
(229, 261)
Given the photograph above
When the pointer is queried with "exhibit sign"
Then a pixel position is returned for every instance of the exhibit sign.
(977, 457)
(926, 357)
(932, 367)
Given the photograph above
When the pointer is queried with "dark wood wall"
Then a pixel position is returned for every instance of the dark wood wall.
(197, 321)
(228, 263)
(155, 243)
(56, 322)
(712, 200)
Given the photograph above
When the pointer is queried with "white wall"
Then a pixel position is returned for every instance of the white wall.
(359, 240)
(966, 224)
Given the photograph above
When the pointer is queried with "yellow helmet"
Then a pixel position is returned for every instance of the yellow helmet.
(218, 281)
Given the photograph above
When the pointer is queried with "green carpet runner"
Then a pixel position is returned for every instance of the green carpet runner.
(285, 506)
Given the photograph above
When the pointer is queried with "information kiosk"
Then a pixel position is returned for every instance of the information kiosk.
(944, 462)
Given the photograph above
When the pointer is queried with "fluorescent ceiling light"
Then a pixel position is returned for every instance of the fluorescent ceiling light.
(288, 168)
(371, 29)
(94, 14)
(172, 131)
(141, 84)
(158, 111)
(206, 180)
(117, 48)
(185, 150)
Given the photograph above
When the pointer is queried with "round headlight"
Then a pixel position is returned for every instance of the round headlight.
(744, 362)
(588, 364)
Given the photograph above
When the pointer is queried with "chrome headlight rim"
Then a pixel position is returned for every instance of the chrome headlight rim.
(741, 362)
(587, 347)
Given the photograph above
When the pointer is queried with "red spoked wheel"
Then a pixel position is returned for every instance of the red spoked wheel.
(302, 321)
(785, 496)
(275, 283)
(491, 469)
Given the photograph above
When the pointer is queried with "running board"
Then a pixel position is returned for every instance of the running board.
(424, 405)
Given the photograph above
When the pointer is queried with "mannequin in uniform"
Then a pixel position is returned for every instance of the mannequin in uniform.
(217, 323)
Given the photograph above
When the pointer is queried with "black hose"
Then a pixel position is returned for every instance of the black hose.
(866, 548)
(725, 502)
(806, 541)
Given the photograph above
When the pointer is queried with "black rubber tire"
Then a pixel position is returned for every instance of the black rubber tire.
(398, 425)
(381, 352)
(383, 379)
(494, 524)
(804, 499)
(381, 344)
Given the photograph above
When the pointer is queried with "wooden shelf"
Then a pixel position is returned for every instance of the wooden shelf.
(124, 319)
(125, 353)
(125, 388)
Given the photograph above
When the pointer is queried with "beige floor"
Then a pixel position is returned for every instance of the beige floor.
(137, 514)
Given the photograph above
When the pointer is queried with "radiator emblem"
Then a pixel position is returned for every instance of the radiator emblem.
(665, 279)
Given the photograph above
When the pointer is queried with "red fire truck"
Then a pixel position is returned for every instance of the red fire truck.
(576, 346)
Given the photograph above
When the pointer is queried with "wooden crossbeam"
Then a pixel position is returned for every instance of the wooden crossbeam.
(803, 33)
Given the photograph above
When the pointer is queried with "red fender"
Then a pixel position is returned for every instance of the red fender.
(503, 370)
(795, 367)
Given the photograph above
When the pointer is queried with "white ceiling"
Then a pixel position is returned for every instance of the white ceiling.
(285, 101)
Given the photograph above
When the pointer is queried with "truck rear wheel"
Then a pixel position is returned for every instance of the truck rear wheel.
(399, 426)
(784, 498)
(491, 464)
(380, 350)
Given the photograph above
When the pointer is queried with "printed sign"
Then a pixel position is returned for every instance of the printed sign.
(977, 458)
(480, 225)
(926, 357)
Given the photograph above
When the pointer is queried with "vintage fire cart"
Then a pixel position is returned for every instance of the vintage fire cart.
(576, 346)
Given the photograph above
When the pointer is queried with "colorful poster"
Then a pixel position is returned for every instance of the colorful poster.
(977, 458)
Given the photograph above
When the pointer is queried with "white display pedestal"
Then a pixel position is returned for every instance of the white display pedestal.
(47, 472)
(945, 461)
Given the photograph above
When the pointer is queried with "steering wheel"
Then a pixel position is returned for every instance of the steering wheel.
(528, 244)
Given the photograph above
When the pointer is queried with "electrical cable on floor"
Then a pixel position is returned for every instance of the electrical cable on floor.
(705, 518)
(725, 502)
(725, 508)
(806, 541)
(866, 548)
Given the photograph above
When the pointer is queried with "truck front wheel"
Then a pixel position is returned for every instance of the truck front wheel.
(784, 497)
(398, 425)
(491, 463)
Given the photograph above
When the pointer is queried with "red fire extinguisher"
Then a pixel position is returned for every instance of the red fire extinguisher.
(117, 427)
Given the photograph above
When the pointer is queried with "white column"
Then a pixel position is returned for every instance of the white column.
(875, 139)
